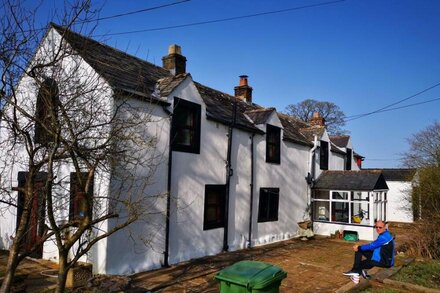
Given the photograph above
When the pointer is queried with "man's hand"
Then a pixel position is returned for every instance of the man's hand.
(355, 247)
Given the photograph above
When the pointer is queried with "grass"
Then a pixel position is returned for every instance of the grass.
(424, 273)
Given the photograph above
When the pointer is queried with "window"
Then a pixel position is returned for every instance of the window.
(214, 214)
(323, 155)
(348, 160)
(341, 206)
(273, 144)
(81, 203)
(268, 207)
(186, 126)
(46, 112)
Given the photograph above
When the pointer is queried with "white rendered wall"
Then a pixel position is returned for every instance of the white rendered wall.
(326, 229)
(399, 206)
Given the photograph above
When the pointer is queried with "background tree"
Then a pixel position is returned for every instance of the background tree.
(333, 115)
(424, 154)
(58, 116)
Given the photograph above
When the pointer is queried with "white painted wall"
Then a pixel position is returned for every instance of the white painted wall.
(399, 205)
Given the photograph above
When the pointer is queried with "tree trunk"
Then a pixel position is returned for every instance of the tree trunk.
(11, 267)
(62, 272)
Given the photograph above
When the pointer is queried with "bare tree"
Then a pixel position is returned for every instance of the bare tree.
(64, 125)
(424, 154)
(424, 148)
(333, 115)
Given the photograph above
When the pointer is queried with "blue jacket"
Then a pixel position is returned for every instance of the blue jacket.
(383, 249)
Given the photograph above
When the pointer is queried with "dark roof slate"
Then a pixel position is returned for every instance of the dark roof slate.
(363, 180)
(340, 140)
(260, 116)
(121, 70)
(129, 74)
(396, 174)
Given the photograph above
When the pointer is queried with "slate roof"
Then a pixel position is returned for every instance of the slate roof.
(340, 140)
(335, 149)
(129, 74)
(122, 71)
(363, 180)
(260, 116)
(396, 174)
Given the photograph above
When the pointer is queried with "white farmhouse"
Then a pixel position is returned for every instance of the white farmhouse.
(233, 174)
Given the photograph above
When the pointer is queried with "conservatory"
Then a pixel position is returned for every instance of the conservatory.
(349, 202)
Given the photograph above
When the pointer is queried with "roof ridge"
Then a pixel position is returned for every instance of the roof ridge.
(68, 31)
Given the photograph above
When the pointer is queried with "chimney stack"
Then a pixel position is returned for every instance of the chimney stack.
(174, 61)
(243, 91)
(317, 120)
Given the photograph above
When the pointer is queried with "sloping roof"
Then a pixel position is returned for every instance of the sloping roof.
(363, 180)
(260, 116)
(292, 128)
(129, 74)
(220, 107)
(396, 174)
(121, 70)
(340, 140)
(335, 149)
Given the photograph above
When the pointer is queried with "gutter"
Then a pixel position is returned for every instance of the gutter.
(311, 175)
(168, 211)
(229, 173)
(249, 245)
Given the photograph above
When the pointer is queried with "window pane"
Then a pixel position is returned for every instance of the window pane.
(321, 210)
(359, 195)
(186, 126)
(214, 206)
(321, 194)
(268, 204)
(359, 213)
(340, 195)
(340, 212)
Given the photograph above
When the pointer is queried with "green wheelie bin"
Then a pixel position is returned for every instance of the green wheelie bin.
(250, 276)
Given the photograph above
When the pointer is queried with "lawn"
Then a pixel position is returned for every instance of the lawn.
(424, 273)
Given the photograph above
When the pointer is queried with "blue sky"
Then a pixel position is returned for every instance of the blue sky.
(361, 55)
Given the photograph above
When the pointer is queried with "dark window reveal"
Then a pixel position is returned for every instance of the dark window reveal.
(46, 112)
(81, 200)
(186, 126)
(273, 144)
(323, 155)
(214, 207)
(268, 206)
(348, 160)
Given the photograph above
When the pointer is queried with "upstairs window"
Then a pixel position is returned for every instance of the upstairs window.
(186, 126)
(81, 200)
(323, 155)
(46, 113)
(348, 160)
(268, 206)
(214, 213)
(273, 144)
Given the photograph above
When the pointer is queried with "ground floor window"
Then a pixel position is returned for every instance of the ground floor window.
(214, 213)
(341, 206)
(379, 205)
(268, 206)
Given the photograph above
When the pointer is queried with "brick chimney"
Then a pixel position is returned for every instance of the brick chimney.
(243, 91)
(317, 120)
(174, 61)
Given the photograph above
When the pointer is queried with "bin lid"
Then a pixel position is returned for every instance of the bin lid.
(251, 274)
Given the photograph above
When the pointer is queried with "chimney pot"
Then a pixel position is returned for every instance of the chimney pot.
(243, 80)
(243, 91)
(174, 49)
(317, 120)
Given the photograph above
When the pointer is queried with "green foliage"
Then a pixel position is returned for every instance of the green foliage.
(422, 273)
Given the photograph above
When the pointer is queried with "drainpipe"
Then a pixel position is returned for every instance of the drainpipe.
(311, 175)
(167, 220)
(252, 192)
(229, 172)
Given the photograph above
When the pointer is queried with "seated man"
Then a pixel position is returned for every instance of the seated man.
(379, 253)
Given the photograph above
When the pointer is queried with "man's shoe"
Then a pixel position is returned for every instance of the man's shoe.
(365, 275)
(351, 273)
